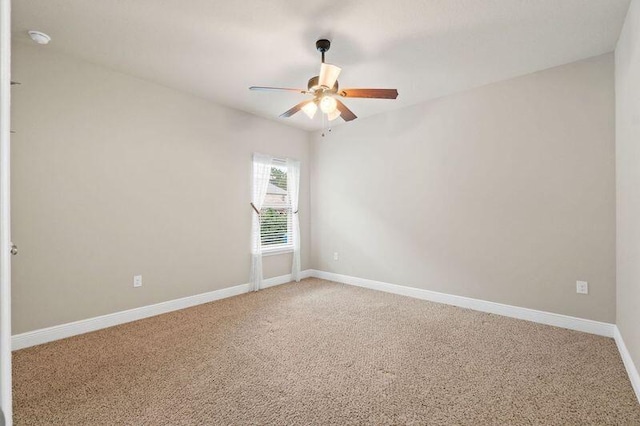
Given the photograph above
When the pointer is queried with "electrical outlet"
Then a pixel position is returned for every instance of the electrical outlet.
(335, 256)
(582, 287)
(137, 280)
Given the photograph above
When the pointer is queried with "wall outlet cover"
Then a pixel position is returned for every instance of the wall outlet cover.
(582, 287)
(137, 280)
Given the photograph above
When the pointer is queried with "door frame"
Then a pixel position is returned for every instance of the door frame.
(5, 211)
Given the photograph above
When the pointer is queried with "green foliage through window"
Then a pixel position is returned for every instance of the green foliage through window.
(274, 218)
(273, 228)
(278, 178)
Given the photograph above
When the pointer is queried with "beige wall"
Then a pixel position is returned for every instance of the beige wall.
(628, 181)
(115, 176)
(504, 193)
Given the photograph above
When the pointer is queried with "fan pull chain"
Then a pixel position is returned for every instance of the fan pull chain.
(328, 129)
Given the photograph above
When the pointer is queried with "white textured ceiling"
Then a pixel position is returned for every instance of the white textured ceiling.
(425, 48)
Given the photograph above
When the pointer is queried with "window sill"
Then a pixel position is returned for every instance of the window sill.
(272, 251)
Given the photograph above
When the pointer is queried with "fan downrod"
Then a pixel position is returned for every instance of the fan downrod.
(323, 46)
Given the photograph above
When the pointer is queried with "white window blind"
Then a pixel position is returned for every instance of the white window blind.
(276, 226)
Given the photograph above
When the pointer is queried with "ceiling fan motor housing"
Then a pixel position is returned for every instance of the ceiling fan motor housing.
(313, 85)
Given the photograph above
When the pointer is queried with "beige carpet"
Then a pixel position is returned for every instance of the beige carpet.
(319, 353)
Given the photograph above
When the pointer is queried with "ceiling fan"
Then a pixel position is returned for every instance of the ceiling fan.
(325, 91)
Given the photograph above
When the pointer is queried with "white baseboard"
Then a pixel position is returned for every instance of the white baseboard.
(49, 334)
(283, 279)
(632, 371)
(542, 317)
(37, 337)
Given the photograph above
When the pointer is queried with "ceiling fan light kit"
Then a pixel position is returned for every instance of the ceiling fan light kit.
(328, 104)
(328, 75)
(325, 91)
(333, 114)
(310, 109)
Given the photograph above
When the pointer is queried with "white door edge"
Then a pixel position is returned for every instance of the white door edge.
(5, 211)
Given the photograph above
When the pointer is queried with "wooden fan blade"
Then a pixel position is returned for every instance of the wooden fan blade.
(277, 89)
(295, 109)
(345, 113)
(370, 93)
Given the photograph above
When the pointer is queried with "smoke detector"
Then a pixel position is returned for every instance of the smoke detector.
(39, 37)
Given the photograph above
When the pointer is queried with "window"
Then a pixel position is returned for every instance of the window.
(275, 226)
(275, 215)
